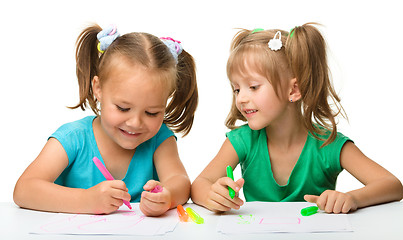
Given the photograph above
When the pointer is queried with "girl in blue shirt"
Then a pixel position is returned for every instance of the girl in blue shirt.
(138, 86)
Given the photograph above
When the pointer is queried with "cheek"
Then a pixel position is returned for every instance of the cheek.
(264, 101)
(110, 115)
(269, 99)
(237, 104)
(154, 124)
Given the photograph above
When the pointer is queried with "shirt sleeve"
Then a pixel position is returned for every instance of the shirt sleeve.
(237, 140)
(69, 140)
(334, 151)
(163, 134)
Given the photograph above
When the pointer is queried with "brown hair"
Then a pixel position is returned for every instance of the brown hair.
(303, 56)
(149, 51)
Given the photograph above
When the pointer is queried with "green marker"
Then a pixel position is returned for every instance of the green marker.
(309, 211)
(230, 174)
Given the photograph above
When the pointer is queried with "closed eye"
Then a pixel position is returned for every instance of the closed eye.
(152, 113)
(122, 109)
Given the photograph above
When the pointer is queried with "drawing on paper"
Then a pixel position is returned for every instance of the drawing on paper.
(119, 220)
(250, 219)
(265, 217)
(246, 219)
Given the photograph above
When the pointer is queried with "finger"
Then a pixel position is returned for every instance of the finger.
(220, 194)
(150, 185)
(120, 194)
(338, 205)
(118, 184)
(346, 207)
(151, 208)
(115, 202)
(330, 203)
(230, 183)
(222, 188)
(349, 205)
(111, 208)
(311, 198)
(144, 209)
(322, 201)
(160, 197)
(217, 202)
(216, 206)
(240, 183)
(224, 199)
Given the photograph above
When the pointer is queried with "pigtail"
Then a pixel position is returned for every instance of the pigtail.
(306, 53)
(181, 109)
(87, 60)
(239, 38)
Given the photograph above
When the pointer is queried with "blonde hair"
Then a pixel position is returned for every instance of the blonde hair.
(149, 51)
(303, 56)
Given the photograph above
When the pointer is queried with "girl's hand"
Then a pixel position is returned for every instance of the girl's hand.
(154, 204)
(218, 199)
(107, 196)
(333, 201)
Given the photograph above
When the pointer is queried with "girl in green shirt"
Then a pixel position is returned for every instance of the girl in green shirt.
(290, 149)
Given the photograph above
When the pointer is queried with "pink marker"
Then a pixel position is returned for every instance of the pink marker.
(107, 175)
(157, 189)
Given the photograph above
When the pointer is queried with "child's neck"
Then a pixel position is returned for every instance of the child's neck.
(105, 144)
(286, 132)
(116, 159)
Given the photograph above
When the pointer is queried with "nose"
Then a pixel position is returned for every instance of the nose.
(242, 97)
(135, 121)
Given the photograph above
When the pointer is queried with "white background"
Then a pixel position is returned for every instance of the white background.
(37, 69)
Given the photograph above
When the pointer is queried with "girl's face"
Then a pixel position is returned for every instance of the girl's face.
(256, 99)
(132, 104)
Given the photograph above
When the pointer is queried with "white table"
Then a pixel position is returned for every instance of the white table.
(378, 222)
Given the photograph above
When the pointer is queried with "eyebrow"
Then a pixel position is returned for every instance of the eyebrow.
(152, 107)
(156, 107)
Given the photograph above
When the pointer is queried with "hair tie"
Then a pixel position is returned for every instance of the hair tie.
(257, 30)
(292, 32)
(106, 37)
(275, 43)
(173, 45)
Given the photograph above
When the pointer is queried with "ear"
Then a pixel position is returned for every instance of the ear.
(96, 88)
(294, 93)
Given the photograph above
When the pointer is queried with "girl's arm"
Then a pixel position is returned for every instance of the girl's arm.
(380, 185)
(210, 188)
(35, 189)
(173, 178)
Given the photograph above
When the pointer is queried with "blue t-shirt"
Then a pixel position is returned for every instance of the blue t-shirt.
(78, 140)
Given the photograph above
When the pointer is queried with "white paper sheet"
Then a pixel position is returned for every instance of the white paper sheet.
(258, 217)
(121, 222)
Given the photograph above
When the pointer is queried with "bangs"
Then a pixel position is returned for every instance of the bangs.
(259, 59)
(248, 58)
(165, 78)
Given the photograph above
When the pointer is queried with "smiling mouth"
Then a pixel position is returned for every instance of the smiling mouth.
(129, 133)
(250, 111)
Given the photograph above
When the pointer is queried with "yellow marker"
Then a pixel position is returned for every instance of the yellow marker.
(194, 216)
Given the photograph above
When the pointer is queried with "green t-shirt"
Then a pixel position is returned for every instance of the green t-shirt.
(315, 171)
